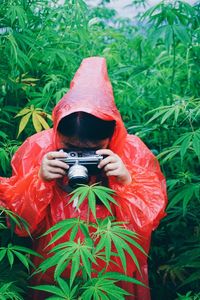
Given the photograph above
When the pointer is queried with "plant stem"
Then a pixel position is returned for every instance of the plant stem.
(173, 65)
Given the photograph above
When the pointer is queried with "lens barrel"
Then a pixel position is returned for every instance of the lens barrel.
(77, 174)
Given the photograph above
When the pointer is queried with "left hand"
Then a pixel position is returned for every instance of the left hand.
(114, 166)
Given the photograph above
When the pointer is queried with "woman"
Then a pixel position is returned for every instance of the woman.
(129, 168)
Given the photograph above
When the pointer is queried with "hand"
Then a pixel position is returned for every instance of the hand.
(52, 168)
(114, 166)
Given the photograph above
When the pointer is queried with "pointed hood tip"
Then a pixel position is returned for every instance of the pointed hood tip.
(94, 59)
(90, 91)
(92, 70)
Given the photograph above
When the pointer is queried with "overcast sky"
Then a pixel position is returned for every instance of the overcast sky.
(120, 6)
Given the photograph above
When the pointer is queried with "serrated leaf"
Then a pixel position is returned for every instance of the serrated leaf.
(68, 244)
(36, 122)
(22, 258)
(75, 265)
(107, 247)
(86, 262)
(60, 234)
(50, 289)
(157, 114)
(64, 286)
(61, 266)
(82, 197)
(23, 123)
(42, 121)
(101, 243)
(74, 232)
(84, 230)
(101, 196)
(23, 112)
(131, 241)
(79, 192)
(102, 296)
(47, 263)
(103, 188)
(167, 114)
(2, 254)
(10, 257)
(29, 79)
(92, 202)
(121, 277)
(69, 223)
(121, 243)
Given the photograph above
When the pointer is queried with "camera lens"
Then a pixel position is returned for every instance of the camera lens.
(77, 174)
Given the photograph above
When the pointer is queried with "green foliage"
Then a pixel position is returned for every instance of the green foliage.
(15, 261)
(9, 291)
(113, 233)
(101, 287)
(88, 244)
(104, 287)
(189, 296)
(37, 115)
(7, 149)
(154, 68)
(63, 290)
(14, 220)
(92, 192)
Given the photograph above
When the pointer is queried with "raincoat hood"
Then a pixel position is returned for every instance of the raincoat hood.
(91, 92)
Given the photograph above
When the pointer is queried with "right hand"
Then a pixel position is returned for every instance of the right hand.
(52, 168)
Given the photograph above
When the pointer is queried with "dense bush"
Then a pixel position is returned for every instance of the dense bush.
(154, 68)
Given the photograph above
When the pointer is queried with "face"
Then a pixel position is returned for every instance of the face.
(73, 142)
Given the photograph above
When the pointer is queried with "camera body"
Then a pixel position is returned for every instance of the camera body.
(86, 158)
(82, 164)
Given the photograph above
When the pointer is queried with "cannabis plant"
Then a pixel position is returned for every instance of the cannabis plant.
(90, 244)
(15, 260)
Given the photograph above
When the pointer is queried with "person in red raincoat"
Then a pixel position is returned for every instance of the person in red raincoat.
(131, 170)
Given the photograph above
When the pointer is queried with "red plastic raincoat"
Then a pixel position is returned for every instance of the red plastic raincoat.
(43, 204)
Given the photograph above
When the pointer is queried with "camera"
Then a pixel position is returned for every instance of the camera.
(82, 164)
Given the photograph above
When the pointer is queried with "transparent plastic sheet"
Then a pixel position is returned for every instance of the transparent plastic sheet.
(43, 204)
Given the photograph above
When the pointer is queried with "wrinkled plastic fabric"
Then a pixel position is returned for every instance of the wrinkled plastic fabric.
(43, 204)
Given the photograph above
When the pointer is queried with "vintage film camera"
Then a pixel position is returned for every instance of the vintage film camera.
(82, 164)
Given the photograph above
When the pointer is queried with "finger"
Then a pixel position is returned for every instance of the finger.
(111, 167)
(53, 171)
(53, 176)
(56, 176)
(112, 173)
(57, 163)
(105, 152)
(109, 159)
(56, 154)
